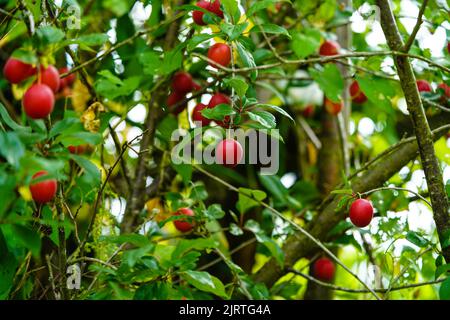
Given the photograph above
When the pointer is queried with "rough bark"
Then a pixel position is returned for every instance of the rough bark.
(430, 163)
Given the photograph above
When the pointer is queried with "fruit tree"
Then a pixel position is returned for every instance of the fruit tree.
(224, 149)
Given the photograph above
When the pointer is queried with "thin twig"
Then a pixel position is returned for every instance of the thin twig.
(399, 189)
(379, 290)
(416, 29)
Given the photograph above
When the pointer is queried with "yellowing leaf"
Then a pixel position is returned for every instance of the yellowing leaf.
(80, 96)
(89, 117)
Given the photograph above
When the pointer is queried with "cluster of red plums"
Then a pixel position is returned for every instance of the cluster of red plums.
(39, 99)
(38, 102)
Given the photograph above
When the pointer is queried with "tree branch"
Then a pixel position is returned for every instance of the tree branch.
(430, 164)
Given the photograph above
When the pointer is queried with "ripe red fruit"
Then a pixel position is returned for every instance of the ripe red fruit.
(175, 97)
(423, 86)
(329, 48)
(333, 107)
(220, 53)
(215, 8)
(197, 115)
(182, 82)
(43, 191)
(38, 101)
(308, 111)
(361, 213)
(219, 98)
(15, 71)
(324, 269)
(229, 153)
(181, 224)
(197, 15)
(66, 81)
(356, 94)
(77, 149)
(50, 77)
(446, 89)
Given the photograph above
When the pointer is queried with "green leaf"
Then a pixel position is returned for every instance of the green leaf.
(441, 270)
(111, 87)
(184, 170)
(262, 4)
(271, 29)
(268, 242)
(199, 244)
(197, 39)
(247, 59)
(444, 290)
(306, 42)
(91, 170)
(64, 125)
(233, 31)
(8, 265)
(135, 239)
(172, 60)
(152, 291)
(218, 112)
(80, 137)
(274, 186)
(266, 119)
(417, 239)
(93, 39)
(29, 238)
(24, 55)
(378, 90)
(276, 108)
(235, 230)
(329, 80)
(238, 83)
(118, 7)
(10, 122)
(11, 148)
(215, 211)
(49, 34)
(230, 8)
(132, 256)
(150, 61)
(205, 282)
(248, 198)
